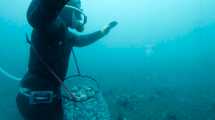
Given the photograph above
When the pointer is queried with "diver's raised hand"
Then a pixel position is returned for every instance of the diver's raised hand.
(109, 26)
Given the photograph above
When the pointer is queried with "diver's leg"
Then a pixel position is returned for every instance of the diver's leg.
(51, 111)
(22, 104)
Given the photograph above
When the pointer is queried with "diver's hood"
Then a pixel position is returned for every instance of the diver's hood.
(75, 3)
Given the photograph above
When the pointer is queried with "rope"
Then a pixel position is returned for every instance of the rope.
(4, 72)
(76, 62)
(79, 72)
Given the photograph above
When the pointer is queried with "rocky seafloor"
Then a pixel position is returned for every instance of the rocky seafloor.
(160, 104)
(127, 104)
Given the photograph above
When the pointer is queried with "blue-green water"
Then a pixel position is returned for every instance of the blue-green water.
(160, 59)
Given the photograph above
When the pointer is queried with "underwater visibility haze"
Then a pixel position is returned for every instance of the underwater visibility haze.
(157, 64)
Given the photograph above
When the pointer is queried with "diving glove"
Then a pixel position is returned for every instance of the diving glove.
(108, 27)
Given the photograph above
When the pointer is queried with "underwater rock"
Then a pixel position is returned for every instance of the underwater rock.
(171, 116)
(124, 101)
(213, 107)
(127, 102)
(211, 111)
(121, 116)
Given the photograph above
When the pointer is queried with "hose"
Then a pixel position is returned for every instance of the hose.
(7, 74)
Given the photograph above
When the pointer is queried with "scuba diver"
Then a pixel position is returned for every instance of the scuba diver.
(39, 97)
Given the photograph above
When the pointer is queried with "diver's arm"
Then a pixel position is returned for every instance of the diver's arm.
(43, 12)
(85, 40)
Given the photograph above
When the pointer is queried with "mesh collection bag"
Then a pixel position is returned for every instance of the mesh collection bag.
(87, 102)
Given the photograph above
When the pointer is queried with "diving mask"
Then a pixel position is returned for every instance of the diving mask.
(80, 12)
(74, 17)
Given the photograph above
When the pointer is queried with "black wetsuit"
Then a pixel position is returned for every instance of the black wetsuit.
(53, 42)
